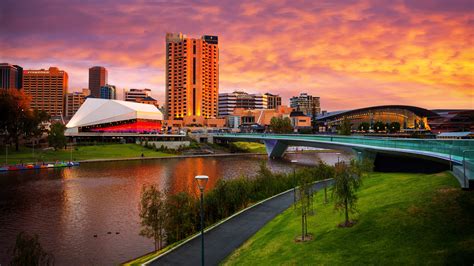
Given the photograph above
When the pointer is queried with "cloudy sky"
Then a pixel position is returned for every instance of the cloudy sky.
(350, 53)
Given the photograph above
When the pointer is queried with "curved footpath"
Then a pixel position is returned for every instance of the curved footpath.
(223, 239)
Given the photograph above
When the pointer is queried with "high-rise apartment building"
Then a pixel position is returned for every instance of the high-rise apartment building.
(273, 100)
(98, 77)
(47, 89)
(306, 103)
(108, 92)
(74, 100)
(192, 76)
(134, 95)
(11, 76)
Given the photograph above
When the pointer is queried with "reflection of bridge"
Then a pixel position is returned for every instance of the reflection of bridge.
(458, 154)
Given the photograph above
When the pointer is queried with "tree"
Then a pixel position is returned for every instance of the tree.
(14, 107)
(394, 127)
(34, 126)
(182, 212)
(347, 180)
(379, 126)
(305, 203)
(345, 128)
(56, 136)
(28, 251)
(281, 125)
(364, 127)
(153, 215)
(324, 172)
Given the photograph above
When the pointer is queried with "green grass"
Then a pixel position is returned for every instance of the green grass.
(403, 219)
(106, 151)
(253, 147)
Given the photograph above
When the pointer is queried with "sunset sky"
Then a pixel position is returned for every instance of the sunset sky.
(350, 53)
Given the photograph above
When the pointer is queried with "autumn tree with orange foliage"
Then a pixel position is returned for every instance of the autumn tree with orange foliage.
(18, 119)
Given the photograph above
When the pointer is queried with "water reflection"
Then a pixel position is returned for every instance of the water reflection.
(67, 207)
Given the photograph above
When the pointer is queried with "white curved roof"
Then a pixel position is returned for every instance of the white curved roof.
(99, 111)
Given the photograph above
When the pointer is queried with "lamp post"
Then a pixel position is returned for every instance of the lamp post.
(294, 162)
(201, 182)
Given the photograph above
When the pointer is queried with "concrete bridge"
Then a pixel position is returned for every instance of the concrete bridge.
(394, 154)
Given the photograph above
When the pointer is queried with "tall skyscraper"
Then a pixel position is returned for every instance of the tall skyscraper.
(108, 92)
(74, 100)
(306, 103)
(98, 77)
(11, 76)
(273, 100)
(192, 76)
(47, 89)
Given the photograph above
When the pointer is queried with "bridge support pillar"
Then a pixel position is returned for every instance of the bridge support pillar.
(275, 148)
(364, 154)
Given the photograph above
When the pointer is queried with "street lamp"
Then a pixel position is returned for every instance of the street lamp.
(294, 181)
(201, 182)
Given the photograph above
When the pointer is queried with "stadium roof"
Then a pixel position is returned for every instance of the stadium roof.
(455, 134)
(417, 110)
(99, 111)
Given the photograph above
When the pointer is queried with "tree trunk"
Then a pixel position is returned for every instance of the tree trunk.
(347, 212)
(16, 143)
(302, 227)
(306, 224)
(325, 195)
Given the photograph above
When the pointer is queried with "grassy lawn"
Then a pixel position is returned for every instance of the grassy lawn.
(105, 151)
(253, 147)
(402, 219)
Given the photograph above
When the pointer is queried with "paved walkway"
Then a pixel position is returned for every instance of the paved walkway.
(228, 236)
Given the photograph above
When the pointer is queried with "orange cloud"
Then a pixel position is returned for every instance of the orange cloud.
(351, 54)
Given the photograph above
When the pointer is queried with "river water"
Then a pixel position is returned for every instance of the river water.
(67, 207)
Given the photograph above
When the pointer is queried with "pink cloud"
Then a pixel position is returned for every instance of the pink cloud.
(351, 54)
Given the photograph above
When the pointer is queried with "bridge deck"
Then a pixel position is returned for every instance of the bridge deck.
(460, 152)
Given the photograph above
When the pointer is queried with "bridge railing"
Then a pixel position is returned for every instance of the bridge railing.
(452, 148)
(468, 166)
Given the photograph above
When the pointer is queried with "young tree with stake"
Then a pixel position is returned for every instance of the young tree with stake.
(152, 215)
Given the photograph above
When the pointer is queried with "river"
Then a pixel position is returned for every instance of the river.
(67, 207)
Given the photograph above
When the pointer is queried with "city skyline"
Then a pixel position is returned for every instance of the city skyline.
(415, 53)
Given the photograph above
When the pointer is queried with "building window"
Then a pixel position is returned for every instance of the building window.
(194, 70)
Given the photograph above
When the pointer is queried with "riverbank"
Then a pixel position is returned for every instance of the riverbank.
(80, 153)
(403, 219)
(125, 152)
(224, 236)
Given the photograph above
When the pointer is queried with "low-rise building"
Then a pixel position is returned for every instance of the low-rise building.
(300, 121)
(239, 99)
(133, 94)
(47, 89)
(256, 118)
(11, 76)
(273, 100)
(147, 100)
(74, 100)
(108, 92)
(307, 104)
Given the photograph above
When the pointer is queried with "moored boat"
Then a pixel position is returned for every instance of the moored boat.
(37, 166)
